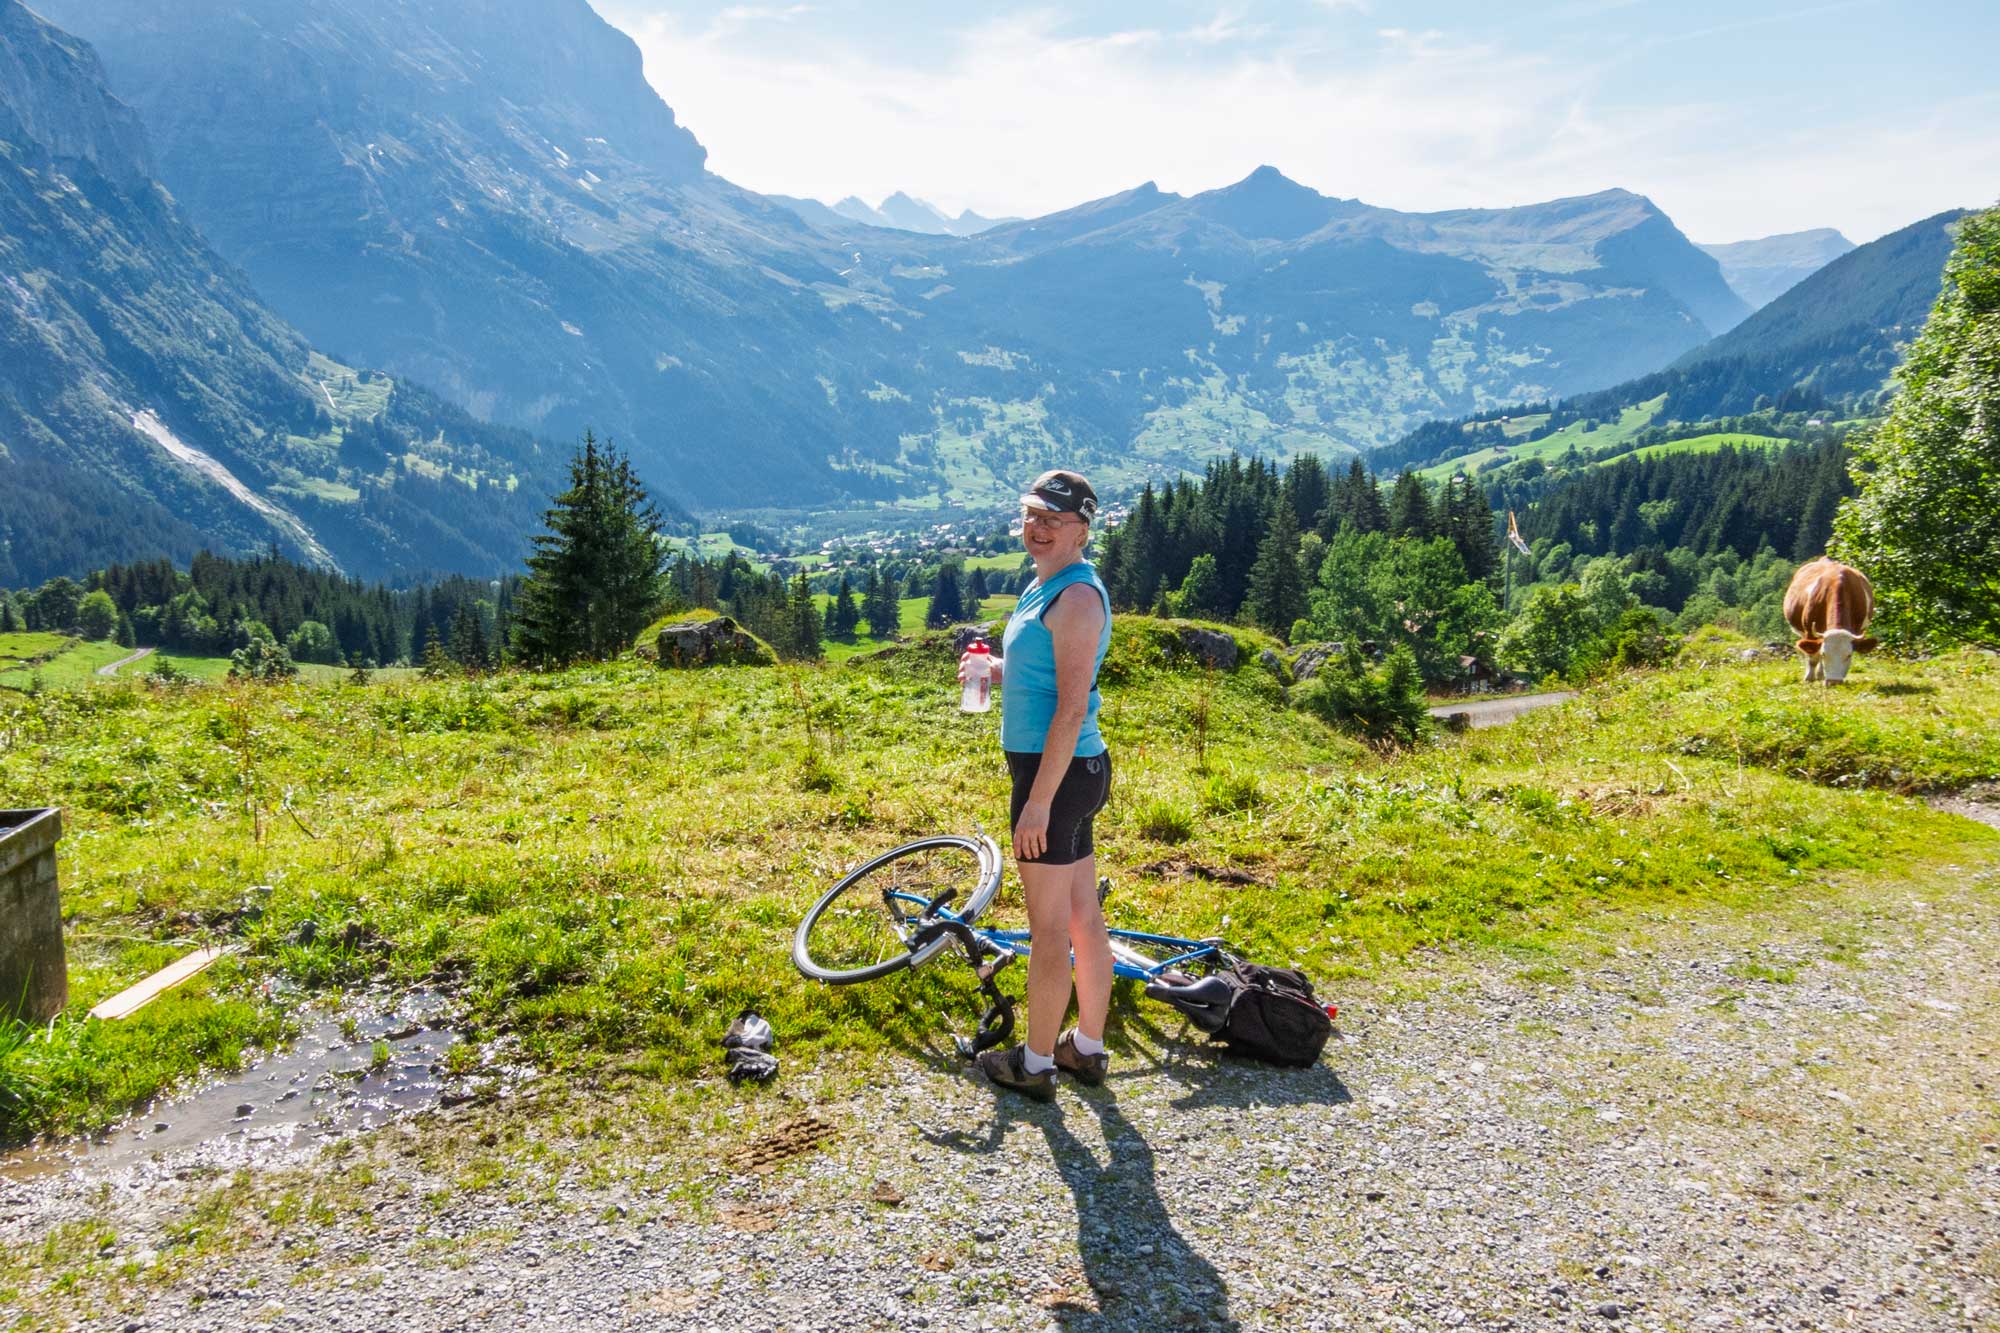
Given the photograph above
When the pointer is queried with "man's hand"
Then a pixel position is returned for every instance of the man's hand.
(1031, 831)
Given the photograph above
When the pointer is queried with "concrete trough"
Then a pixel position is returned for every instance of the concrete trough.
(34, 972)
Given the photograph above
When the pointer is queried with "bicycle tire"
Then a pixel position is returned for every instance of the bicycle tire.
(849, 921)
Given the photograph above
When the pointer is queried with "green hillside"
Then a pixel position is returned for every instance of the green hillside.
(1705, 444)
(1577, 435)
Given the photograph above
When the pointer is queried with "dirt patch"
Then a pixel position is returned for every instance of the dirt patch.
(681, 1300)
(1183, 868)
(751, 1218)
(1980, 802)
(794, 1138)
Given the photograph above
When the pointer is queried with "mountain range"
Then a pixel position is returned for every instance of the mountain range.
(1828, 346)
(489, 198)
(899, 212)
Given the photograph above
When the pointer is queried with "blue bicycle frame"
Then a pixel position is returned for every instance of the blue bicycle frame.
(934, 922)
(1127, 962)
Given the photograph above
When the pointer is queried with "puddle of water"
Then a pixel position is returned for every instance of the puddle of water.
(323, 1087)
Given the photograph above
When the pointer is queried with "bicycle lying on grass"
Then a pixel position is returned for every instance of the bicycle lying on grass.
(895, 912)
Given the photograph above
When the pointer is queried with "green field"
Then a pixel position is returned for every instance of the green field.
(32, 659)
(606, 864)
(50, 661)
(712, 546)
(1631, 422)
(912, 611)
(1706, 444)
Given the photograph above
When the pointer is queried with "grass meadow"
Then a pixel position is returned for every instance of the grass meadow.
(607, 862)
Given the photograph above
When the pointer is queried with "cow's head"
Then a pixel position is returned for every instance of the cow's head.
(1835, 650)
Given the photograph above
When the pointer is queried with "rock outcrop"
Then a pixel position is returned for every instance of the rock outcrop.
(705, 643)
(1211, 648)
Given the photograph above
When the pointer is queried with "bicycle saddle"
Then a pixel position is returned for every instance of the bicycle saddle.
(1205, 1002)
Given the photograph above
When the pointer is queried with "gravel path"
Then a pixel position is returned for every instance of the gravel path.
(111, 668)
(1785, 1120)
(1504, 708)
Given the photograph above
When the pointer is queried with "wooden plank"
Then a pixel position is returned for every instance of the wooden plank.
(136, 997)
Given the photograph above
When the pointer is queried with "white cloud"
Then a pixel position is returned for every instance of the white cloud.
(1018, 115)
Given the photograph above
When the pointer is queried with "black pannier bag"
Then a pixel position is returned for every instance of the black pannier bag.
(1268, 1013)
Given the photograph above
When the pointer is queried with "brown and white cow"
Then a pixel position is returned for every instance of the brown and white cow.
(1828, 606)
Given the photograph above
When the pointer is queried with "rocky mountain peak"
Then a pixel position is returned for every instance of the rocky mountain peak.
(1267, 205)
(52, 96)
(536, 75)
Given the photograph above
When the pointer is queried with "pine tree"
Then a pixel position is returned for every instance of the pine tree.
(802, 621)
(434, 663)
(594, 577)
(880, 606)
(10, 619)
(1277, 593)
(1468, 521)
(843, 617)
(947, 606)
(468, 638)
(1410, 508)
(1308, 490)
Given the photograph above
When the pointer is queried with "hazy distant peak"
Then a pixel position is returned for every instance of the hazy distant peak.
(1821, 244)
(901, 211)
(1761, 270)
(1267, 205)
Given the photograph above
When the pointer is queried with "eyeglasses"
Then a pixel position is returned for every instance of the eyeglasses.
(1044, 518)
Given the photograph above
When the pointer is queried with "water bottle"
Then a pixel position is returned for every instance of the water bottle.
(976, 696)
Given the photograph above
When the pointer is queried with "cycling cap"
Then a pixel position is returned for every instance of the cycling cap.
(1063, 493)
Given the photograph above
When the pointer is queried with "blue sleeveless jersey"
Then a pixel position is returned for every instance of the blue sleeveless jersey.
(1028, 690)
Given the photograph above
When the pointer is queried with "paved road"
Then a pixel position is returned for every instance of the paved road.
(1503, 708)
(111, 668)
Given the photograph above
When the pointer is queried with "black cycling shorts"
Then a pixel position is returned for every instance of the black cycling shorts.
(1084, 790)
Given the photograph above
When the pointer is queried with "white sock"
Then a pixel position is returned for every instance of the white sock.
(1036, 1064)
(1084, 1045)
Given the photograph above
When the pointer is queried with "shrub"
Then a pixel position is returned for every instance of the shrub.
(1231, 790)
(1162, 821)
(1384, 704)
(261, 659)
(1638, 639)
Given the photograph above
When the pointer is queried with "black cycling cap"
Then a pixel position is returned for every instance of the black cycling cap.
(1064, 493)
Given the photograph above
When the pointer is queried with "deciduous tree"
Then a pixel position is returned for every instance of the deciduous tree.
(1926, 525)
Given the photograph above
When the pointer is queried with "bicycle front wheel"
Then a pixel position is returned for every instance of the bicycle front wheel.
(861, 928)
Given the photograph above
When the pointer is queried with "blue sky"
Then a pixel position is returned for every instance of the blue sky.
(1740, 119)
